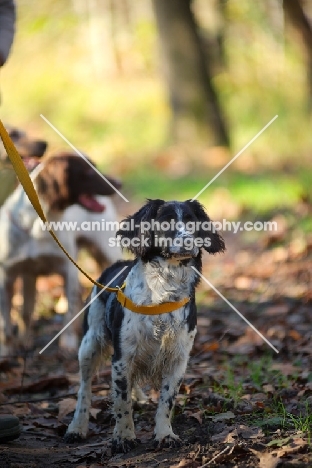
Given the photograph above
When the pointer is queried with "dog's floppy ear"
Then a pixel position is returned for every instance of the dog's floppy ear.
(206, 229)
(135, 231)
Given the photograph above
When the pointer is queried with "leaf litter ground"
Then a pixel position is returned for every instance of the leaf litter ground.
(240, 405)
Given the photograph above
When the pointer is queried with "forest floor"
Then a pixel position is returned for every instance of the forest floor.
(241, 404)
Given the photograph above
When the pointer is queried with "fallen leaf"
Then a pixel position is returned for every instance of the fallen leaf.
(186, 463)
(49, 423)
(213, 346)
(66, 406)
(266, 460)
(94, 412)
(249, 432)
(243, 282)
(272, 459)
(294, 335)
(268, 388)
(227, 435)
(48, 383)
(228, 415)
(198, 415)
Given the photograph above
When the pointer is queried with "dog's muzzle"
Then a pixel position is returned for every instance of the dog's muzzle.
(183, 246)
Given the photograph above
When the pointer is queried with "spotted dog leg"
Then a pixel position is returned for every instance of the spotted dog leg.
(6, 331)
(163, 433)
(69, 339)
(124, 438)
(89, 360)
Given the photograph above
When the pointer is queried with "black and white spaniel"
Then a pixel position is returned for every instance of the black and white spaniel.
(167, 239)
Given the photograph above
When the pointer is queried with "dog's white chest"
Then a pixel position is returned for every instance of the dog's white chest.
(156, 343)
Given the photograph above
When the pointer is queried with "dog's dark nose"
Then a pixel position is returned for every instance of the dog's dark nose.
(39, 148)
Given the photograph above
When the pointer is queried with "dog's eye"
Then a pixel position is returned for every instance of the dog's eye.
(14, 134)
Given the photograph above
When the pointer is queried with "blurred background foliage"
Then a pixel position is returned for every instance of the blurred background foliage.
(94, 68)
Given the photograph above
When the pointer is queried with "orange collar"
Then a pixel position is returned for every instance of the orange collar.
(153, 309)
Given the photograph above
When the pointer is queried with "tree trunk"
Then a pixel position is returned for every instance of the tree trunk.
(192, 96)
(296, 14)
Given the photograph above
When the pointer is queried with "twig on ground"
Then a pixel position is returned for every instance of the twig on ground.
(228, 450)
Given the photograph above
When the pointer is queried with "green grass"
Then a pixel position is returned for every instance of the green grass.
(301, 422)
(255, 374)
(260, 192)
(232, 386)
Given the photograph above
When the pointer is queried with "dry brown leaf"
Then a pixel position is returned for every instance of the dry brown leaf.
(186, 463)
(231, 437)
(94, 412)
(279, 309)
(266, 460)
(66, 406)
(50, 423)
(243, 282)
(227, 435)
(285, 368)
(47, 383)
(272, 459)
(213, 346)
(293, 447)
(198, 416)
(268, 388)
(249, 432)
(294, 335)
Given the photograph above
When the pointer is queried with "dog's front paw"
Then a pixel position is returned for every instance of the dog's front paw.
(120, 445)
(168, 441)
(73, 437)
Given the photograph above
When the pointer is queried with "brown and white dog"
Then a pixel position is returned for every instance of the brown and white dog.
(27, 250)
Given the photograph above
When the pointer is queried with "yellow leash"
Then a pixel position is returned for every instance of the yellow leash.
(29, 188)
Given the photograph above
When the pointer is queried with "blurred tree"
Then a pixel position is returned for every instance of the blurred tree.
(295, 13)
(193, 98)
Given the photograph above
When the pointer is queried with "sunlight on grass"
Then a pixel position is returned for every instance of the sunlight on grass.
(260, 192)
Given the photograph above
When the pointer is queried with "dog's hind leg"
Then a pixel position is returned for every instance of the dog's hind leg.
(90, 353)
(29, 295)
(69, 339)
(6, 332)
